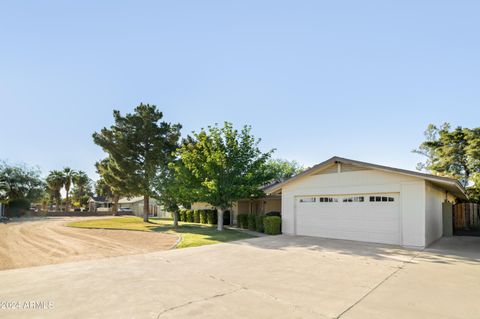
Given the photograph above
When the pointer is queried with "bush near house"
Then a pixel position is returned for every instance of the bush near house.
(190, 217)
(242, 220)
(259, 223)
(182, 215)
(212, 216)
(274, 214)
(203, 216)
(196, 216)
(17, 207)
(251, 221)
(272, 225)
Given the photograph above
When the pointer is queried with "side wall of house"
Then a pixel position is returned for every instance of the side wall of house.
(434, 198)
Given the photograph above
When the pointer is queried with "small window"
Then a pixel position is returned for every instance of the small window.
(357, 199)
(308, 200)
(381, 199)
(328, 200)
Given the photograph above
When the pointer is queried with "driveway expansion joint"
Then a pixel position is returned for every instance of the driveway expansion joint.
(402, 266)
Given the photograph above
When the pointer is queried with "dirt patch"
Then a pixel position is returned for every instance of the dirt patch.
(49, 241)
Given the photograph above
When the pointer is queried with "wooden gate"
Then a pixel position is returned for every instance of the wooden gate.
(466, 216)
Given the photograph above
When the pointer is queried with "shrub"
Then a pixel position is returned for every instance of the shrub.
(182, 215)
(212, 216)
(203, 216)
(259, 224)
(190, 216)
(17, 207)
(272, 225)
(274, 214)
(251, 222)
(226, 217)
(242, 220)
(196, 216)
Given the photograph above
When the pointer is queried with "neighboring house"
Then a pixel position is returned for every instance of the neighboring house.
(136, 205)
(347, 199)
(99, 203)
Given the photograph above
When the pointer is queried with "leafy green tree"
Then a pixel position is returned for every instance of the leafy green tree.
(282, 169)
(224, 165)
(113, 181)
(175, 188)
(20, 183)
(102, 188)
(55, 181)
(140, 146)
(451, 152)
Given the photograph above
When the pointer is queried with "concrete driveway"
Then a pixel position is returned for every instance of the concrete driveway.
(269, 277)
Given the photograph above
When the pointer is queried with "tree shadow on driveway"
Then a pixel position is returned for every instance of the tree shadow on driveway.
(445, 250)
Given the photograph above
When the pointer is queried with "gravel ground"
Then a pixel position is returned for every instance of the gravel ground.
(38, 242)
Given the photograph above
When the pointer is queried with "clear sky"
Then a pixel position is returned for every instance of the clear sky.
(359, 79)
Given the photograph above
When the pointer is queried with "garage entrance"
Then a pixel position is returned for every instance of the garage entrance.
(362, 217)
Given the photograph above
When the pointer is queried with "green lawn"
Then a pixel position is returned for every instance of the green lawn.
(191, 234)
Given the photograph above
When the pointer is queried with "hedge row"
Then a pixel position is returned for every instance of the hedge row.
(203, 216)
(268, 224)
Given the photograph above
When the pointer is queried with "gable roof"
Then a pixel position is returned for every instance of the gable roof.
(133, 200)
(98, 199)
(450, 184)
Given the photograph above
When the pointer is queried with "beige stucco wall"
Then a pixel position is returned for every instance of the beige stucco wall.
(201, 205)
(272, 205)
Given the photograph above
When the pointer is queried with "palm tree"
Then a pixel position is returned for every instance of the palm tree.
(55, 181)
(81, 180)
(69, 176)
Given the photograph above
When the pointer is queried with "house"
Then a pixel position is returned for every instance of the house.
(99, 203)
(136, 205)
(347, 199)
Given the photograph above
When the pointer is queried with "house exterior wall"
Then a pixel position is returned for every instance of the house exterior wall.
(434, 197)
(412, 210)
(411, 190)
(201, 206)
(272, 205)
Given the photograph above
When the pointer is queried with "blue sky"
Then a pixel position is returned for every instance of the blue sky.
(359, 79)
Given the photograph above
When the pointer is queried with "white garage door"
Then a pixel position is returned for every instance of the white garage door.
(363, 217)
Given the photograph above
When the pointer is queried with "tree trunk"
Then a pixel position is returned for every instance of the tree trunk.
(220, 212)
(57, 204)
(115, 205)
(146, 208)
(175, 219)
(66, 203)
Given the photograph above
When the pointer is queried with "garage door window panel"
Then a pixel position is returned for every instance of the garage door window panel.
(381, 199)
